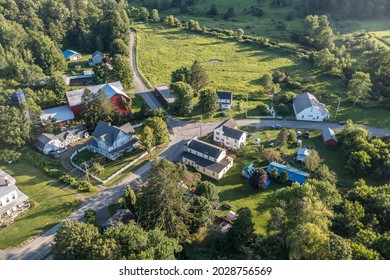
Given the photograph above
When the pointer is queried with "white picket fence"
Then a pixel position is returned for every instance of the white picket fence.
(113, 175)
(263, 117)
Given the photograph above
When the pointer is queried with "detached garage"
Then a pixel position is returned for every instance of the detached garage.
(329, 137)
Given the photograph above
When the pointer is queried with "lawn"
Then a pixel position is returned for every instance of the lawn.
(83, 63)
(110, 167)
(53, 203)
(136, 102)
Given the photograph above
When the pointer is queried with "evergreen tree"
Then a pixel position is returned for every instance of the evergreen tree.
(184, 96)
(199, 78)
(208, 102)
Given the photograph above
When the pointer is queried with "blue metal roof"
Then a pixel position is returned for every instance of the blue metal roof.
(68, 53)
(294, 175)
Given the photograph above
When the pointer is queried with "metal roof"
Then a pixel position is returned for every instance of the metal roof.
(329, 134)
(165, 93)
(68, 53)
(60, 114)
(294, 175)
(307, 100)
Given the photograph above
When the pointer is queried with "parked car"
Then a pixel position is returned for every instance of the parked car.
(276, 126)
(62, 150)
(342, 122)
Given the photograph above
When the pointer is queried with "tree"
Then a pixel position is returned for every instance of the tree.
(146, 139)
(209, 191)
(359, 87)
(144, 14)
(164, 204)
(160, 113)
(101, 73)
(242, 230)
(239, 34)
(182, 74)
(155, 16)
(208, 102)
(213, 10)
(13, 127)
(268, 84)
(313, 161)
(230, 14)
(90, 216)
(308, 242)
(199, 78)
(292, 136)
(119, 47)
(323, 173)
(258, 180)
(274, 173)
(160, 130)
(263, 109)
(328, 62)
(282, 137)
(96, 108)
(130, 199)
(74, 240)
(319, 33)
(201, 213)
(338, 248)
(358, 162)
(360, 252)
(97, 168)
(184, 95)
(57, 85)
(270, 155)
(122, 70)
(283, 177)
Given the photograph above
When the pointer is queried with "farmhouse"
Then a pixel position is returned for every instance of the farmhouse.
(71, 55)
(61, 115)
(165, 94)
(114, 91)
(230, 137)
(208, 159)
(12, 201)
(111, 141)
(47, 142)
(294, 175)
(308, 108)
(97, 57)
(329, 137)
(225, 99)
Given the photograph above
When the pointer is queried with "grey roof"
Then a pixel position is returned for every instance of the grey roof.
(43, 139)
(59, 114)
(307, 100)
(166, 93)
(232, 132)
(229, 123)
(329, 134)
(4, 189)
(225, 95)
(205, 148)
(127, 128)
(97, 53)
(108, 133)
(208, 164)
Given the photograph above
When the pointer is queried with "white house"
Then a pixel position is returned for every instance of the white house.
(47, 142)
(111, 141)
(225, 99)
(230, 137)
(12, 201)
(97, 57)
(207, 159)
(71, 55)
(308, 108)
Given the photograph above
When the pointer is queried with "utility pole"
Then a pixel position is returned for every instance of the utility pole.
(86, 172)
(338, 107)
(201, 123)
(246, 106)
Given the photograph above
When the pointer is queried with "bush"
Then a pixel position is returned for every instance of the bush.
(282, 109)
(263, 109)
(279, 77)
(293, 84)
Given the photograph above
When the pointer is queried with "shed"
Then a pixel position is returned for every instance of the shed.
(17, 98)
(329, 137)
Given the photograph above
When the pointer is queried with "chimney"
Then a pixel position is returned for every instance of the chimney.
(7, 181)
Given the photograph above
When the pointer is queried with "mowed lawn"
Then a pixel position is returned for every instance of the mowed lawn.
(162, 50)
(53, 203)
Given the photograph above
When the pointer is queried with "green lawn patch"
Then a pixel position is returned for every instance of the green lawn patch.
(82, 63)
(53, 203)
(110, 167)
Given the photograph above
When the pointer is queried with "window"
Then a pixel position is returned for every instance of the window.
(7, 200)
(204, 170)
(13, 196)
(303, 116)
(213, 174)
(216, 138)
(1, 203)
(317, 117)
(235, 141)
(217, 133)
(197, 167)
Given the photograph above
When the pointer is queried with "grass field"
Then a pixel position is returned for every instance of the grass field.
(52, 204)
(83, 63)
(252, 24)
(162, 51)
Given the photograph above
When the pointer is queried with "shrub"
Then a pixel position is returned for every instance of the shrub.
(263, 109)
(282, 109)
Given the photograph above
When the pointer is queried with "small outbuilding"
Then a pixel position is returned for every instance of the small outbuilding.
(71, 55)
(303, 154)
(329, 137)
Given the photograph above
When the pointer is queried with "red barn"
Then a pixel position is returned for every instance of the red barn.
(114, 92)
(329, 137)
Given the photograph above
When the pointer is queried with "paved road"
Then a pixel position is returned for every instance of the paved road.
(308, 125)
